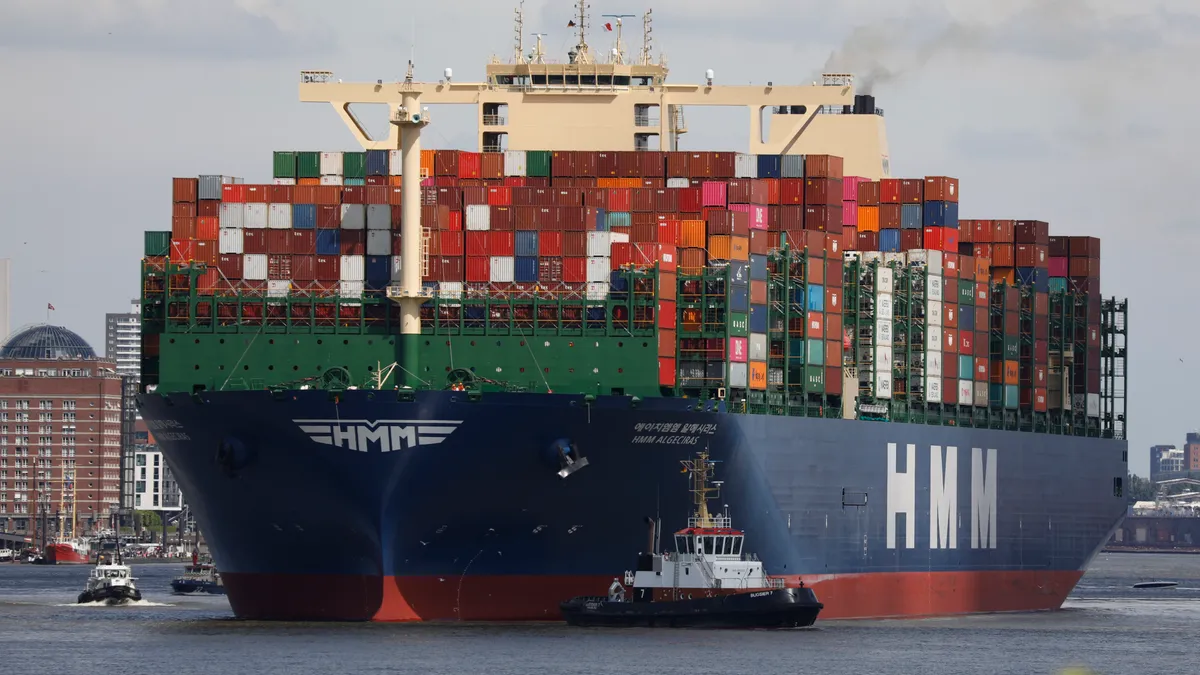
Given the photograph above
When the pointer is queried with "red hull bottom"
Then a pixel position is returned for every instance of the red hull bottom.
(61, 554)
(536, 598)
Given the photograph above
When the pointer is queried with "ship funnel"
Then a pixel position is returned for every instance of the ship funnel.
(864, 104)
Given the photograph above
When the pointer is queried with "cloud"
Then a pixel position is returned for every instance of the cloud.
(209, 29)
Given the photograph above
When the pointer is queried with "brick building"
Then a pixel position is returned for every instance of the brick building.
(60, 420)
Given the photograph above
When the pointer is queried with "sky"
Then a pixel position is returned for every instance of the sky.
(1070, 111)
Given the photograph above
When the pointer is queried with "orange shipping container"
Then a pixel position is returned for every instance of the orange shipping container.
(1006, 275)
(692, 260)
(692, 233)
(720, 247)
(868, 219)
(739, 248)
(427, 163)
(1012, 373)
(315, 181)
(758, 375)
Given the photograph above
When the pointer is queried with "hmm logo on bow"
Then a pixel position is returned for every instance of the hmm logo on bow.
(389, 435)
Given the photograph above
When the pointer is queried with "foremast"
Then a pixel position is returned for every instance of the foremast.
(701, 470)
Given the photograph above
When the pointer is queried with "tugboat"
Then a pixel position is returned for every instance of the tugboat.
(110, 582)
(707, 582)
(199, 578)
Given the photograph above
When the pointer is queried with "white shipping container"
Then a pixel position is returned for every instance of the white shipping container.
(599, 244)
(331, 163)
(229, 241)
(933, 364)
(758, 347)
(745, 166)
(379, 242)
(395, 163)
(597, 290)
(981, 394)
(933, 288)
(883, 306)
(883, 359)
(894, 257)
(678, 183)
(1093, 405)
(450, 290)
(933, 338)
(934, 262)
(479, 217)
(775, 377)
(933, 313)
(883, 384)
(883, 280)
(379, 217)
(254, 216)
(739, 375)
(353, 268)
(278, 289)
(966, 392)
(350, 289)
(619, 237)
(851, 256)
(933, 389)
(502, 269)
(254, 267)
(872, 256)
(883, 332)
(331, 180)
(279, 216)
(232, 215)
(599, 269)
(396, 269)
(283, 181)
(354, 217)
(514, 162)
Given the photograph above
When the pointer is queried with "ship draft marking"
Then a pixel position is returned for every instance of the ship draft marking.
(944, 517)
(390, 435)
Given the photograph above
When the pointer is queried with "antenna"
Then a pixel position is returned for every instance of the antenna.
(519, 50)
(536, 56)
(582, 52)
(647, 39)
(618, 53)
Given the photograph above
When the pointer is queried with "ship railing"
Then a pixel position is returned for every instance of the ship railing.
(494, 120)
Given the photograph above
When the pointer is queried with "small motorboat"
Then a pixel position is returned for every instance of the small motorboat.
(199, 578)
(707, 582)
(1156, 584)
(111, 583)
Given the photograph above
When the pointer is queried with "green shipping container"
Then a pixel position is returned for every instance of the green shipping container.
(354, 165)
(814, 379)
(285, 164)
(739, 324)
(158, 243)
(1004, 395)
(308, 165)
(1012, 396)
(816, 352)
(1008, 347)
(966, 292)
(796, 351)
(966, 367)
(537, 163)
(1058, 284)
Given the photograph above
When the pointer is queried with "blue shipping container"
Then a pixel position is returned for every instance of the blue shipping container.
(354, 181)
(966, 364)
(595, 314)
(758, 267)
(378, 272)
(966, 318)
(739, 298)
(618, 282)
(377, 162)
(816, 298)
(329, 242)
(796, 349)
(910, 217)
(739, 271)
(525, 270)
(1036, 277)
(527, 243)
(619, 219)
(889, 241)
(941, 214)
(601, 223)
(1058, 284)
(758, 318)
(769, 166)
(304, 216)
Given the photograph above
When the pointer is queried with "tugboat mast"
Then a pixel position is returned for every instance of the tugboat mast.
(700, 470)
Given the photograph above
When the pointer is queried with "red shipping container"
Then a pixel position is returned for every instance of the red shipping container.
(595, 197)
(451, 243)
(230, 266)
(352, 242)
(868, 241)
(328, 268)
(282, 194)
(550, 270)
(690, 199)
(183, 228)
(620, 199)
(1032, 232)
(941, 189)
(357, 194)
(941, 239)
(574, 270)
(575, 245)
(1084, 267)
(1003, 255)
(184, 210)
(815, 325)
(823, 218)
(911, 239)
(184, 189)
(329, 217)
(889, 216)
(668, 232)
(868, 193)
(790, 217)
(652, 164)
(569, 218)
(470, 165)
(791, 191)
(304, 268)
(278, 242)
(826, 191)
(502, 242)
(889, 191)
(254, 241)
(912, 190)
(476, 243)
(233, 192)
(966, 342)
(724, 165)
(665, 200)
(982, 251)
(208, 208)
(567, 196)
(1081, 247)
(279, 267)
(760, 242)
(478, 269)
(849, 238)
(1003, 231)
(550, 244)
(503, 218)
(823, 166)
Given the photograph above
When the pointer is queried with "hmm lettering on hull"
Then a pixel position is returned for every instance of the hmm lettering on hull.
(944, 511)
(387, 435)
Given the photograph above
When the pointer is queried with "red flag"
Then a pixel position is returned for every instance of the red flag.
(49, 306)
(608, 26)
(570, 24)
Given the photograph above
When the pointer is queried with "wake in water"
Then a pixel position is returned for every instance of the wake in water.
(101, 603)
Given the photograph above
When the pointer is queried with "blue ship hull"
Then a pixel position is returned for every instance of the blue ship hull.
(450, 508)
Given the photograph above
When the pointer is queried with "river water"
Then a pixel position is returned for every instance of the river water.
(1106, 626)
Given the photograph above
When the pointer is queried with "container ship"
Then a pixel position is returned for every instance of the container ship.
(450, 385)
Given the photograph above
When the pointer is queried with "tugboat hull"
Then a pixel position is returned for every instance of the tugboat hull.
(112, 595)
(189, 586)
(778, 608)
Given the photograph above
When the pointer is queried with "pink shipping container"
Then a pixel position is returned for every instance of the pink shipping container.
(850, 213)
(850, 187)
(1059, 267)
(756, 212)
(738, 351)
(714, 193)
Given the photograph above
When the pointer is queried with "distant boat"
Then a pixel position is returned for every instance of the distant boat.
(1156, 584)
